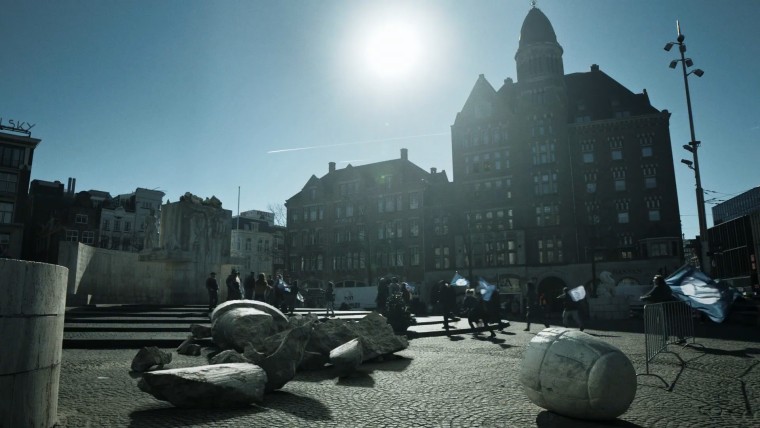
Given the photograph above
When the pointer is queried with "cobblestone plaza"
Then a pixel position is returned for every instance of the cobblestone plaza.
(462, 381)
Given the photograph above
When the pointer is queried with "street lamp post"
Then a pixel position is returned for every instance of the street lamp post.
(694, 144)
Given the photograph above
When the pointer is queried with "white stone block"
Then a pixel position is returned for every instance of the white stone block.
(575, 374)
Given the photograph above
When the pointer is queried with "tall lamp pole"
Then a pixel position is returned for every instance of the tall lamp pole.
(694, 144)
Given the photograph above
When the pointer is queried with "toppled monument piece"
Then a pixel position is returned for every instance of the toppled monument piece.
(281, 322)
(281, 365)
(211, 386)
(148, 357)
(575, 374)
(200, 331)
(377, 336)
(347, 357)
(228, 356)
(189, 348)
(237, 327)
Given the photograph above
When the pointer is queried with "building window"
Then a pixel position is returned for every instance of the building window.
(116, 225)
(72, 235)
(646, 152)
(590, 179)
(545, 183)
(592, 212)
(547, 215)
(106, 224)
(414, 228)
(414, 256)
(414, 200)
(616, 148)
(441, 225)
(441, 256)
(88, 237)
(8, 182)
(543, 153)
(12, 157)
(81, 219)
(653, 208)
(622, 211)
(650, 182)
(248, 244)
(654, 215)
(6, 212)
(550, 250)
(127, 226)
(618, 176)
(587, 151)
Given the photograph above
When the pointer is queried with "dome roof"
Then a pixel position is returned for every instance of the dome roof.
(536, 28)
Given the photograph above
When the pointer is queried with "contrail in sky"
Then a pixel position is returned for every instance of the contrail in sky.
(409, 137)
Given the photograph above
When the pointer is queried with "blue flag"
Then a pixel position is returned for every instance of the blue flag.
(705, 294)
(485, 289)
(459, 281)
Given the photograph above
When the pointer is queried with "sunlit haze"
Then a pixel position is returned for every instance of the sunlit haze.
(207, 97)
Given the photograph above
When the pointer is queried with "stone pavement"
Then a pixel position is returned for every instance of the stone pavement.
(461, 381)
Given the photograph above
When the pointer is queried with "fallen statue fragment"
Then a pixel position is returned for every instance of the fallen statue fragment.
(148, 357)
(261, 346)
(220, 385)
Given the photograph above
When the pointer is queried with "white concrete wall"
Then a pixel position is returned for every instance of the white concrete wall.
(31, 324)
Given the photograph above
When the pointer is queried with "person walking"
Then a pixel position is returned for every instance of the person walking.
(660, 293)
(213, 291)
(535, 306)
(248, 286)
(570, 309)
(474, 308)
(233, 286)
(330, 299)
(261, 289)
(448, 298)
(493, 307)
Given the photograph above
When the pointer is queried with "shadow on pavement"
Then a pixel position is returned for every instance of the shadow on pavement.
(360, 378)
(195, 416)
(547, 419)
(391, 363)
(300, 406)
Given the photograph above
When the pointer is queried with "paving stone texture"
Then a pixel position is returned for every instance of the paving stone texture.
(462, 381)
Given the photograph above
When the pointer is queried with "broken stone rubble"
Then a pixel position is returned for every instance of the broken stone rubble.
(148, 357)
(305, 343)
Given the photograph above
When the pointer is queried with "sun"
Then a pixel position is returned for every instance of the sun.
(393, 50)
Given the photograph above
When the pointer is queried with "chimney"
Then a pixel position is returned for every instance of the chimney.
(594, 67)
(433, 170)
(73, 185)
(68, 186)
(332, 167)
(404, 154)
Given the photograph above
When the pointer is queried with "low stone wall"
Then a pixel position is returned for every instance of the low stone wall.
(31, 325)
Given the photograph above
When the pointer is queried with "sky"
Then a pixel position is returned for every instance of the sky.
(211, 97)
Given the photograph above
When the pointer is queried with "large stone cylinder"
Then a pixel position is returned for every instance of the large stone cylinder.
(32, 310)
(577, 375)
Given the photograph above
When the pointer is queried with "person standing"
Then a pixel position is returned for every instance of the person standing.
(330, 299)
(233, 286)
(534, 307)
(248, 285)
(213, 291)
(570, 309)
(382, 295)
(406, 295)
(261, 289)
(448, 298)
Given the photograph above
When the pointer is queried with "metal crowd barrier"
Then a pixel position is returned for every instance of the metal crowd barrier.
(668, 323)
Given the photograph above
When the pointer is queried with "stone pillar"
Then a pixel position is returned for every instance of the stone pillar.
(32, 310)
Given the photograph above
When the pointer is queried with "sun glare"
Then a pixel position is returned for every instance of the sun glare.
(393, 50)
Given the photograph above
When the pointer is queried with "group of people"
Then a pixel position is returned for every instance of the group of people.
(389, 287)
(279, 292)
(536, 306)
(478, 309)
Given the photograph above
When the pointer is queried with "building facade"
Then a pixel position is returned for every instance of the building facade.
(564, 173)
(736, 207)
(16, 156)
(358, 224)
(257, 244)
(128, 219)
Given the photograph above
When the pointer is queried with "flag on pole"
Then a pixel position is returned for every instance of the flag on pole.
(486, 289)
(459, 281)
(705, 294)
(578, 293)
